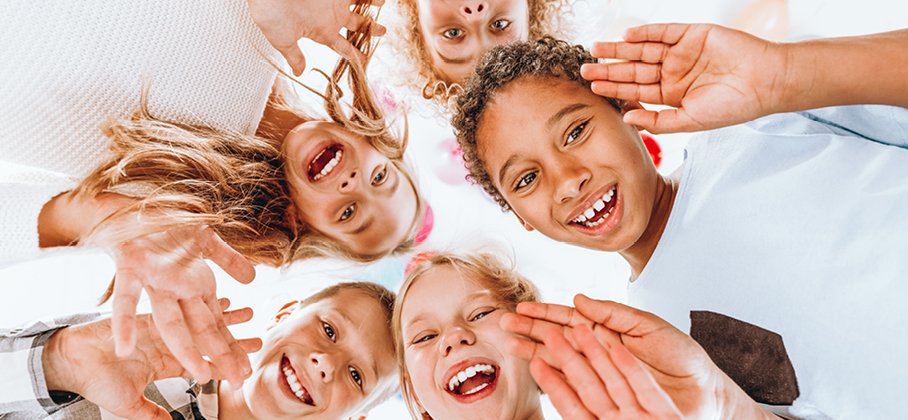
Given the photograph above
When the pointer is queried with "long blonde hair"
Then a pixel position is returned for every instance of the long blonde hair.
(233, 182)
(488, 269)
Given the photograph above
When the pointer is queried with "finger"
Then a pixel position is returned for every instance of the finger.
(533, 328)
(250, 345)
(237, 316)
(168, 318)
(526, 349)
(559, 314)
(378, 29)
(241, 361)
(373, 2)
(647, 52)
(667, 33)
(560, 393)
(345, 49)
(622, 72)
(225, 303)
(665, 121)
(142, 409)
(356, 21)
(294, 57)
(616, 386)
(650, 395)
(231, 261)
(214, 340)
(583, 379)
(651, 94)
(127, 290)
(614, 316)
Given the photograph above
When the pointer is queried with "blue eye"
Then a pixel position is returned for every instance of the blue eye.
(575, 133)
(453, 33)
(500, 25)
(329, 331)
(356, 376)
(526, 180)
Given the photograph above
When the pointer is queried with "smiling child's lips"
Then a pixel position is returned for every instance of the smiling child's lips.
(287, 371)
(588, 202)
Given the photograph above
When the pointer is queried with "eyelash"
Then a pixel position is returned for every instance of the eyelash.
(380, 177)
(357, 377)
(447, 31)
(329, 331)
(507, 24)
(482, 314)
(523, 182)
(348, 212)
(575, 133)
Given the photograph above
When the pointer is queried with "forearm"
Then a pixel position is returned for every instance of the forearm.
(869, 69)
(67, 218)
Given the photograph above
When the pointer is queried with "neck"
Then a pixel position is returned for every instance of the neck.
(639, 253)
(232, 403)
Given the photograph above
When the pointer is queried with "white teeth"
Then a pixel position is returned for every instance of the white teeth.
(598, 205)
(475, 390)
(584, 218)
(467, 373)
(329, 166)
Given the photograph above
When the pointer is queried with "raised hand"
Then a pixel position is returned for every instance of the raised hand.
(81, 359)
(171, 267)
(713, 76)
(284, 22)
(598, 381)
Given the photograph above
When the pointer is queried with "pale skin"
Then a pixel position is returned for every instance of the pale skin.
(715, 76)
(81, 359)
(285, 22)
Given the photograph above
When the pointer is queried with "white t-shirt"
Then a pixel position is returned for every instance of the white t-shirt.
(66, 67)
(786, 257)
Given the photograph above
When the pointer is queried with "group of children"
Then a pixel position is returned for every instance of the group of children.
(769, 265)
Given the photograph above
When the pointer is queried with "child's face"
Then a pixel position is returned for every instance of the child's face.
(338, 350)
(567, 164)
(458, 32)
(450, 330)
(347, 190)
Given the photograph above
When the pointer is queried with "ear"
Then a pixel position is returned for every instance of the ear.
(284, 312)
(522, 222)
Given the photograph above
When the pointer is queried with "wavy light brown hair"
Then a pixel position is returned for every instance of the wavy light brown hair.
(545, 58)
(488, 269)
(235, 183)
(416, 72)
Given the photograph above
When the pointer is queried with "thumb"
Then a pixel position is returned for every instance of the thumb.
(620, 318)
(657, 122)
(295, 58)
(143, 409)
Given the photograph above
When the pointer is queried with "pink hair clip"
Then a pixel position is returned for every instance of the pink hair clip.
(428, 221)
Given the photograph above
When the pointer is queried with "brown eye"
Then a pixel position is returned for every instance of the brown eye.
(500, 25)
(348, 212)
(380, 177)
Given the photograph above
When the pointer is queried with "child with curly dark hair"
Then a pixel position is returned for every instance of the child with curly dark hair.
(770, 241)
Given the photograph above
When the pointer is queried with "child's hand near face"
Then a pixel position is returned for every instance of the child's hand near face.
(284, 22)
(717, 76)
(81, 359)
(714, 76)
(676, 362)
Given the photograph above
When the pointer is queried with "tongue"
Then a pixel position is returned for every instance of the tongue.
(473, 382)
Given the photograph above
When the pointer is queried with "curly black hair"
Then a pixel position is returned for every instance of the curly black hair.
(545, 57)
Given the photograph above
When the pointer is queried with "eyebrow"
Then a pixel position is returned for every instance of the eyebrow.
(459, 60)
(564, 112)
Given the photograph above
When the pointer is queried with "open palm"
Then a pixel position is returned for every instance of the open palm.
(712, 76)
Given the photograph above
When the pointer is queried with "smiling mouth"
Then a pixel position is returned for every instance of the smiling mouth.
(473, 382)
(599, 211)
(325, 161)
(293, 384)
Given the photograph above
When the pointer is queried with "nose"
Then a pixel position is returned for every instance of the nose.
(570, 179)
(348, 184)
(474, 9)
(455, 337)
(323, 365)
